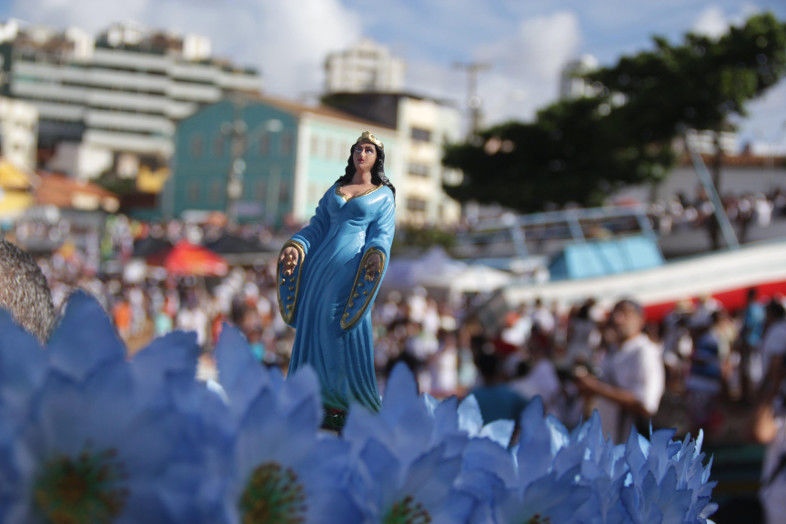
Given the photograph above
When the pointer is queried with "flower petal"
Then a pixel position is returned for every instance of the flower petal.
(84, 338)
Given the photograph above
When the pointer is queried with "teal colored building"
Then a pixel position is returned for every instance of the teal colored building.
(262, 159)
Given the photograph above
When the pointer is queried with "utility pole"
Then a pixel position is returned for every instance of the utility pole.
(473, 99)
(726, 229)
(236, 130)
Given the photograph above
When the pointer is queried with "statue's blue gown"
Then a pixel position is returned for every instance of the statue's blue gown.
(340, 233)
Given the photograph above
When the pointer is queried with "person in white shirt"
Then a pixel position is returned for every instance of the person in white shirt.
(773, 393)
(542, 317)
(632, 380)
(773, 344)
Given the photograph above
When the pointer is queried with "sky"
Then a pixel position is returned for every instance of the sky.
(525, 42)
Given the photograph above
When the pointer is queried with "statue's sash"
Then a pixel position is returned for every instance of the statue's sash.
(363, 291)
(289, 286)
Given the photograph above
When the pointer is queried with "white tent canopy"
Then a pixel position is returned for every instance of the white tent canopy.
(436, 271)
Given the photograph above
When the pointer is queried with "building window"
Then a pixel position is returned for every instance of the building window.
(216, 191)
(197, 145)
(283, 191)
(239, 145)
(314, 145)
(421, 135)
(259, 189)
(340, 150)
(286, 142)
(416, 204)
(192, 192)
(418, 169)
(264, 143)
(218, 145)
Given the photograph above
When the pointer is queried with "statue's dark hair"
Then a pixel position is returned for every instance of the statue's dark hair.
(24, 291)
(377, 170)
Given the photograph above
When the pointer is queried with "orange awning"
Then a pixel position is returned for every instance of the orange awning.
(186, 259)
(12, 177)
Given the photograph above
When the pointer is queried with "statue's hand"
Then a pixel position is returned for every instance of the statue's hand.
(373, 265)
(289, 257)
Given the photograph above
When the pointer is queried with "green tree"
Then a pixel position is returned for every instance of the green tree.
(573, 152)
(700, 83)
(580, 150)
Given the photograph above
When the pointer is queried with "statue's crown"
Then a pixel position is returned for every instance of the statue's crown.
(368, 136)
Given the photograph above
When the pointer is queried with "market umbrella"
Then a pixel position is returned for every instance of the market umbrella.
(149, 245)
(190, 259)
(228, 243)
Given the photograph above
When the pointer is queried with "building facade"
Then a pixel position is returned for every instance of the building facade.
(112, 100)
(367, 66)
(571, 85)
(18, 133)
(263, 159)
(424, 126)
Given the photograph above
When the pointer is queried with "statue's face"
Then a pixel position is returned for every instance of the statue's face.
(364, 155)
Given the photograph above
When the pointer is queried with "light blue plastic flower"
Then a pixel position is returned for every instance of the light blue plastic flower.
(409, 455)
(487, 466)
(282, 468)
(90, 445)
(581, 476)
(668, 481)
(22, 370)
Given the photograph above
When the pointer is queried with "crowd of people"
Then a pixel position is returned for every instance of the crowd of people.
(744, 210)
(569, 355)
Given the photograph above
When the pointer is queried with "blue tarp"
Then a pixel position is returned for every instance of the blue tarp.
(605, 257)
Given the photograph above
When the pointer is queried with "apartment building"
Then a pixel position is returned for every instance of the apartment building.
(264, 159)
(110, 102)
(366, 66)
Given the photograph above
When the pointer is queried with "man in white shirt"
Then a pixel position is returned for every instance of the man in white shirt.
(632, 380)
(773, 343)
(773, 392)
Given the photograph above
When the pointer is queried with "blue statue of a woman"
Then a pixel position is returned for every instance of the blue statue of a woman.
(329, 274)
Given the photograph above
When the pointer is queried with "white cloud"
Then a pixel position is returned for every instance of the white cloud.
(286, 40)
(526, 66)
(537, 49)
(523, 75)
(91, 15)
(711, 22)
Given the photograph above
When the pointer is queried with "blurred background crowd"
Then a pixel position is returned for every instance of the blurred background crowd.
(714, 358)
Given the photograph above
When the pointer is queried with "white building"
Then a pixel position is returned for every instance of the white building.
(119, 93)
(18, 133)
(367, 66)
(571, 85)
(424, 126)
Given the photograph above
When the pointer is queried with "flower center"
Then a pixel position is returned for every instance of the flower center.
(273, 495)
(407, 511)
(83, 489)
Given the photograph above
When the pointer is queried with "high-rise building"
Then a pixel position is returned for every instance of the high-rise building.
(571, 85)
(366, 66)
(114, 96)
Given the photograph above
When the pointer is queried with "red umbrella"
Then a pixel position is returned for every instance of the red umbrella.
(186, 258)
